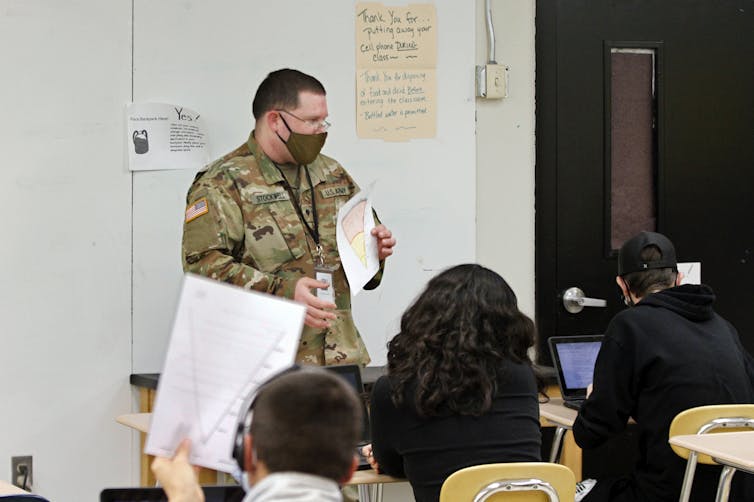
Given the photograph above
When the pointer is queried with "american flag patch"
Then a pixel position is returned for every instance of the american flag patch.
(196, 209)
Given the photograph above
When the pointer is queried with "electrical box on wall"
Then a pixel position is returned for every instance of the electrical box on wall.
(492, 81)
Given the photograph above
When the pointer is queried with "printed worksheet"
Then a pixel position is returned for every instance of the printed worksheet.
(225, 342)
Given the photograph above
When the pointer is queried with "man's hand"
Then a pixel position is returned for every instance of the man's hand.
(177, 476)
(369, 455)
(318, 311)
(385, 241)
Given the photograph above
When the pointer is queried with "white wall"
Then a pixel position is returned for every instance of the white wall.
(65, 353)
(67, 340)
(425, 189)
(505, 152)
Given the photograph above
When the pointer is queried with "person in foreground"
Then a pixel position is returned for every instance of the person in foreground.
(460, 388)
(297, 442)
(669, 352)
(263, 217)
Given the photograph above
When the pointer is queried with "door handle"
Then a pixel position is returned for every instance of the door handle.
(574, 301)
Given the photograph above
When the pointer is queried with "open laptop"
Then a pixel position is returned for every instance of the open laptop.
(231, 493)
(351, 373)
(574, 357)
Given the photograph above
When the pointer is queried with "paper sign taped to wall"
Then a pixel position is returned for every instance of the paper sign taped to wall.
(161, 136)
(396, 60)
(692, 272)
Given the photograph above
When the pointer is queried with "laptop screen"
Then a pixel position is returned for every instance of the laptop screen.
(574, 358)
(211, 494)
(351, 373)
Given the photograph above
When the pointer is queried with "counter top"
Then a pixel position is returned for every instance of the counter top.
(369, 375)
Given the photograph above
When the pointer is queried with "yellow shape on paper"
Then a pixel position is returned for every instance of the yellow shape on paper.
(358, 246)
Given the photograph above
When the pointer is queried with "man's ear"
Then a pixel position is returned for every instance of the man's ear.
(248, 454)
(271, 120)
(678, 278)
(622, 285)
(351, 470)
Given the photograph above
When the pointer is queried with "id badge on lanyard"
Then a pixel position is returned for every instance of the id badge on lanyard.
(322, 272)
(325, 274)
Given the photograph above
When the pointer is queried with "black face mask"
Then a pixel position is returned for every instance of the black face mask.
(627, 301)
(304, 148)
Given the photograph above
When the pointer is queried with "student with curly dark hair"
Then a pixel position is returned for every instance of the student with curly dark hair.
(460, 388)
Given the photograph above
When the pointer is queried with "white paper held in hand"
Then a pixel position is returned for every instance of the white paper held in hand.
(357, 246)
(225, 342)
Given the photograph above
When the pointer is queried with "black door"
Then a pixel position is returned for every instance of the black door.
(645, 121)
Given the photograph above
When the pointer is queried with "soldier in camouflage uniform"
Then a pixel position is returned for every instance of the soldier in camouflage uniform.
(264, 215)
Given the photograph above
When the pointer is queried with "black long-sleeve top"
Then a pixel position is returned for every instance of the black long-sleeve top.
(669, 353)
(428, 450)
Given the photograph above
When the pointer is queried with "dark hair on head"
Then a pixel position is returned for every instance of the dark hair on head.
(307, 421)
(648, 281)
(454, 339)
(280, 90)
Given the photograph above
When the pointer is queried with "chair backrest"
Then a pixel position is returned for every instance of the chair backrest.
(517, 481)
(710, 420)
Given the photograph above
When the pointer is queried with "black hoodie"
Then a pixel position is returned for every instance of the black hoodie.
(669, 353)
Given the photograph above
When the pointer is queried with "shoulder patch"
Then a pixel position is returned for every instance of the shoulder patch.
(335, 192)
(266, 198)
(197, 209)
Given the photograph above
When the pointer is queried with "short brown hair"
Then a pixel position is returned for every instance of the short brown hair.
(643, 282)
(307, 421)
(280, 90)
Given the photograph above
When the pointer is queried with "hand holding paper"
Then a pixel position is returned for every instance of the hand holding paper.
(357, 241)
(225, 342)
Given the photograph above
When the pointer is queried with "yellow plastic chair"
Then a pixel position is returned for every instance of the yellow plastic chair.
(511, 482)
(705, 420)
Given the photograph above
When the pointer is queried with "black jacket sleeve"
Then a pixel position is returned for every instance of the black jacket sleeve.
(748, 359)
(383, 419)
(613, 398)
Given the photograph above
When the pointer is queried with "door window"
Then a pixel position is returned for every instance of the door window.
(632, 158)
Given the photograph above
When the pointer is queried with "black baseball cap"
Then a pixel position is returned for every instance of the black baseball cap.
(629, 257)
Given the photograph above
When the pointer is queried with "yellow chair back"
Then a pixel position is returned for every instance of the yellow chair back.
(711, 419)
(501, 482)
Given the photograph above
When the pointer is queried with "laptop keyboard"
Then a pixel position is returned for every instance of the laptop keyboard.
(574, 404)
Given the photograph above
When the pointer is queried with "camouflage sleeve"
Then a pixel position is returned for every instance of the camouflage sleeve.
(213, 230)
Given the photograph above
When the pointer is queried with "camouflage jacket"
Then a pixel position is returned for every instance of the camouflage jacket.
(241, 227)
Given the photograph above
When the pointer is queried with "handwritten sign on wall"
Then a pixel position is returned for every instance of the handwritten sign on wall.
(396, 57)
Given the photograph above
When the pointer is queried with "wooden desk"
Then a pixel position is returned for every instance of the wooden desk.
(564, 448)
(369, 477)
(734, 450)
(141, 422)
(557, 414)
(9, 489)
(370, 484)
(137, 421)
(553, 412)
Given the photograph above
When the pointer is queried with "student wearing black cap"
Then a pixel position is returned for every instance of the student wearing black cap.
(667, 353)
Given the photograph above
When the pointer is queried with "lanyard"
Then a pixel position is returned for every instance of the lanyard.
(313, 231)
